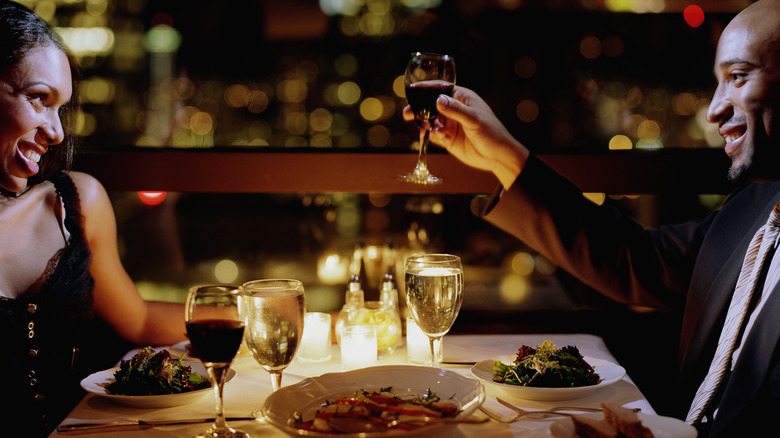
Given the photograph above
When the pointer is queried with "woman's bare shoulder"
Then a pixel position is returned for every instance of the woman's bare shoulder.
(90, 190)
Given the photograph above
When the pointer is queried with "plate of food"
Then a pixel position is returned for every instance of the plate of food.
(152, 379)
(616, 420)
(374, 394)
(547, 373)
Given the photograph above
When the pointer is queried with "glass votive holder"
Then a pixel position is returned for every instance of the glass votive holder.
(418, 344)
(315, 343)
(387, 323)
(358, 347)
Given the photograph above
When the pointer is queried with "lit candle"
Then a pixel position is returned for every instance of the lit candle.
(332, 269)
(315, 343)
(418, 345)
(358, 347)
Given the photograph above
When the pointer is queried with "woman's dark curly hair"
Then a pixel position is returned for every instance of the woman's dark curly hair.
(21, 32)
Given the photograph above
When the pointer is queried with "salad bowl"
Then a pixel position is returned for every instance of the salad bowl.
(96, 384)
(609, 373)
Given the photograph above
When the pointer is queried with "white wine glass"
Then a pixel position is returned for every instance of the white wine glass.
(274, 313)
(434, 294)
(215, 329)
(427, 76)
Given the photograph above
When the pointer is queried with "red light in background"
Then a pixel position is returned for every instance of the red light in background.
(162, 19)
(693, 15)
(152, 198)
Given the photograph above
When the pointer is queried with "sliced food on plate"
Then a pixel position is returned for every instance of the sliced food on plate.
(376, 411)
(617, 422)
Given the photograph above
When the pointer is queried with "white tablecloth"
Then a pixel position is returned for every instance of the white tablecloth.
(252, 385)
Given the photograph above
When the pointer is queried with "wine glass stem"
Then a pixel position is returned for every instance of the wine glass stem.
(276, 380)
(217, 375)
(435, 350)
(422, 165)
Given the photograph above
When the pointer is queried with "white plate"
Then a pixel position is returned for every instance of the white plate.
(662, 427)
(608, 372)
(310, 394)
(96, 384)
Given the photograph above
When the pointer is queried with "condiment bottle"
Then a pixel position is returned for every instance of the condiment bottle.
(353, 302)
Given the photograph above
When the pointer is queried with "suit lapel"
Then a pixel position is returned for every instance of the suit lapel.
(753, 364)
(704, 314)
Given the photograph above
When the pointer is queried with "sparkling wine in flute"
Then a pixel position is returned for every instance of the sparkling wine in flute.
(435, 296)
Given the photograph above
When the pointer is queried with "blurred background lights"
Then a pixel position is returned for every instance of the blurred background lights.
(152, 198)
(320, 119)
(693, 15)
(201, 123)
(684, 104)
(371, 109)
(348, 93)
(97, 90)
(525, 67)
(527, 110)
(257, 101)
(620, 142)
(226, 271)
(523, 263)
(346, 64)
(648, 131)
(590, 47)
(236, 95)
(399, 89)
(513, 289)
(162, 39)
(596, 198)
(95, 41)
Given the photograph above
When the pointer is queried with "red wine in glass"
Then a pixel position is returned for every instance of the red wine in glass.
(216, 329)
(428, 75)
(215, 340)
(422, 98)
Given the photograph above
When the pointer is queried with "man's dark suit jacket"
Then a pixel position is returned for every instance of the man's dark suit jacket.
(694, 265)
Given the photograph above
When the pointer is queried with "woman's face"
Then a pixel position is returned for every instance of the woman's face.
(31, 95)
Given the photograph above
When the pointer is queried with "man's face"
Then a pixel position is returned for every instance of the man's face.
(747, 68)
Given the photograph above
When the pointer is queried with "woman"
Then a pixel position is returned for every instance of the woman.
(59, 267)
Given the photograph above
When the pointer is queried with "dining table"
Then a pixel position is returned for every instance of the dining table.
(247, 391)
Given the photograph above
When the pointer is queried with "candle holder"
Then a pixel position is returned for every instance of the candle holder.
(315, 344)
(358, 347)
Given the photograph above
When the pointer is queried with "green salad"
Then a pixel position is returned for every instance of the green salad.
(546, 366)
(150, 372)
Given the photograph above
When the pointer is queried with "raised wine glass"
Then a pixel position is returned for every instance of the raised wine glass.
(215, 329)
(427, 76)
(434, 293)
(274, 312)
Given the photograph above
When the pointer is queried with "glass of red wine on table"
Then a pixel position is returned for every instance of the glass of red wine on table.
(427, 76)
(215, 330)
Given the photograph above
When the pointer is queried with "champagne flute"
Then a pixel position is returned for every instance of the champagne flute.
(274, 312)
(215, 329)
(434, 293)
(427, 76)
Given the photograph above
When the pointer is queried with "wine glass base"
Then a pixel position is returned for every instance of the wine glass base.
(226, 433)
(416, 178)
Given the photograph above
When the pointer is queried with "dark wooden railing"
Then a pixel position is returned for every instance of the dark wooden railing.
(308, 170)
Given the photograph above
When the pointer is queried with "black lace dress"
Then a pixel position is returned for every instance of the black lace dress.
(41, 334)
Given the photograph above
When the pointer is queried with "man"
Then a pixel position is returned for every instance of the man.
(695, 264)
